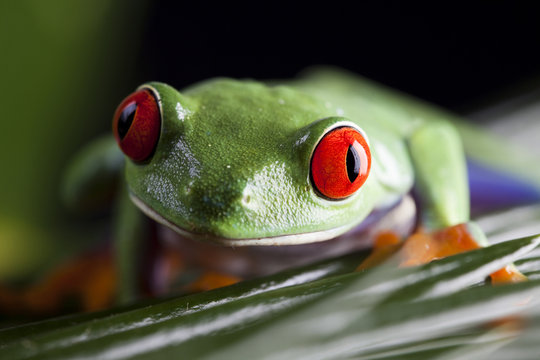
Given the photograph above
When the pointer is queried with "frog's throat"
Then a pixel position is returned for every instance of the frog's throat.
(288, 239)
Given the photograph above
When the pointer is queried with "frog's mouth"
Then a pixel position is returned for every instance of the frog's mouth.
(403, 207)
(288, 239)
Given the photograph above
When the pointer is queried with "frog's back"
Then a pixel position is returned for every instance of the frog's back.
(359, 97)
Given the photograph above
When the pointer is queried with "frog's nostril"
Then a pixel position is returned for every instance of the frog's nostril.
(248, 201)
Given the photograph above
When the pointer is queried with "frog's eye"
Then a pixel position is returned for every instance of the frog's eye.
(136, 125)
(340, 163)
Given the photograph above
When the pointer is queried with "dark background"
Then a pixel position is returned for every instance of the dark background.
(455, 56)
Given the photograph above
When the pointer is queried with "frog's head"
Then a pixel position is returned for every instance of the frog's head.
(241, 163)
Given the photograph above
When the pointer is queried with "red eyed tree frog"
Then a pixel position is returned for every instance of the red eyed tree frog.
(248, 178)
(244, 164)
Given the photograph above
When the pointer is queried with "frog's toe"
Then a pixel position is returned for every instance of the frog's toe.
(508, 274)
(421, 248)
(210, 280)
(385, 245)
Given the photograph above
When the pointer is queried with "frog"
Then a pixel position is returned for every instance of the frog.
(245, 177)
(241, 164)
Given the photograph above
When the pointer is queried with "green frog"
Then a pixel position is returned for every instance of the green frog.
(250, 177)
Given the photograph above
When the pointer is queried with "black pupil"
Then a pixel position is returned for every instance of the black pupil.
(353, 163)
(126, 118)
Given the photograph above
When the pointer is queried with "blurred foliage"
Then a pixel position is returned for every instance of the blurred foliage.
(64, 66)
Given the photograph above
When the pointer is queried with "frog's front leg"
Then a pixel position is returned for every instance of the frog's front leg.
(440, 176)
(131, 242)
(442, 191)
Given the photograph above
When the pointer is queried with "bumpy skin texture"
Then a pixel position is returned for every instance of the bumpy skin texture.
(233, 162)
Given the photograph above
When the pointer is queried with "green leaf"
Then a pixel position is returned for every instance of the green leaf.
(309, 312)
(67, 329)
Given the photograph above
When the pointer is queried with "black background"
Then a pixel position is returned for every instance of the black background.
(455, 56)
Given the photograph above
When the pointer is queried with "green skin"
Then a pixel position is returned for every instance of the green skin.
(232, 164)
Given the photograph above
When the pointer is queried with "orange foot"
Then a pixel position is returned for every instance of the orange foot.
(212, 280)
(421, 248)
(90, 279)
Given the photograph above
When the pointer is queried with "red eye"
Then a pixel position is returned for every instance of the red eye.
(136, 125)
(340, 163)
